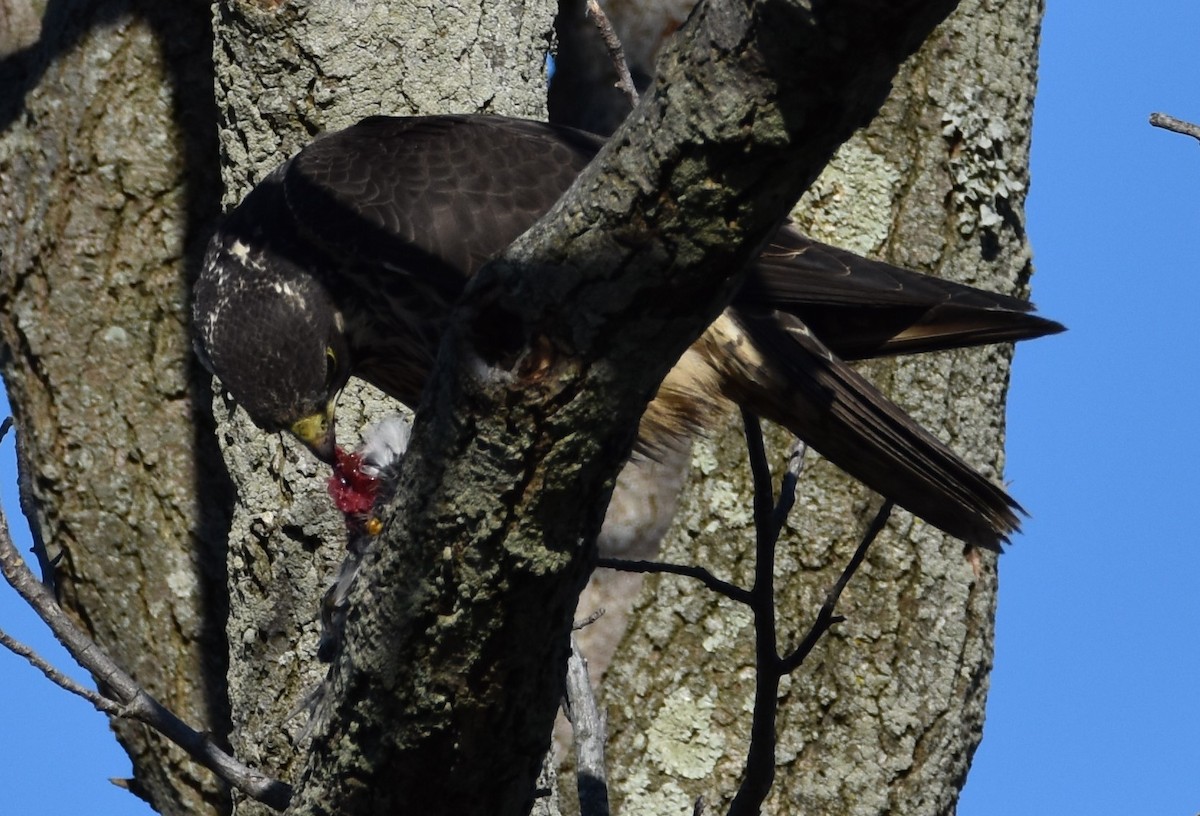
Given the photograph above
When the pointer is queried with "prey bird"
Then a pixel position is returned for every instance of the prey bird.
(348, 258)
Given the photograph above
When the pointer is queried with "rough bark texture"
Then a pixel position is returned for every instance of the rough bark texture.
(108, 166)
(107, 160)
(459, 624)
(284, 73)
(887, 712)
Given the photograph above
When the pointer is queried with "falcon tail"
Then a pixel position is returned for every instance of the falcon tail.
(779, 351)
(862, 308)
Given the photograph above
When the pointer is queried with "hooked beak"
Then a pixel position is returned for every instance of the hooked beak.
(316, 432)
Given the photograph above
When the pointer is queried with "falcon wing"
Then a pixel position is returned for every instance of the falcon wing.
(429, 195)
(862, 308)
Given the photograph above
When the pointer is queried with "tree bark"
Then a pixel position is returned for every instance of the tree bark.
(109, 189)
(885, 715)
(458, 630)
(110, 169)
(284, 73)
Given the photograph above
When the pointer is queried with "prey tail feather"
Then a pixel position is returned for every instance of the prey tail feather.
(772, 364)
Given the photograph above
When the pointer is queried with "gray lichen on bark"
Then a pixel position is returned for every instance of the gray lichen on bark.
(285, 73)
(886, 714)
(106, 191)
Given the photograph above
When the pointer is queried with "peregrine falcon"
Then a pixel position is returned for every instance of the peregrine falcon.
(348, 258)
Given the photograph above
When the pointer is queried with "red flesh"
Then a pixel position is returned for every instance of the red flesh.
(353, 491)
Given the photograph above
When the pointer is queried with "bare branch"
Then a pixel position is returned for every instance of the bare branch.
(131, 700)
(591, 733)
(787, 490)
(731, 591)
(25, 497)
(56, 677)
(769, 517)
(616, 52)
(596, 615)
(1166, 122)
(826, 618)
(760, 471)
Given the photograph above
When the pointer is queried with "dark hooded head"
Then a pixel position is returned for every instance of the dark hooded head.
(274, 338)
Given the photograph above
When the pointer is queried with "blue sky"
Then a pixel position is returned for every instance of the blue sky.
(1095, 700)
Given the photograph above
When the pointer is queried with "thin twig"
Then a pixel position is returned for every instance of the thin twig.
(731, 591)
(595, 615)
(770, 516)
(826, 618)
(131, 700)
(787, 491)
(56, 677)
(1166, 122)
(591, 733)
(46, 564)
(613, 43)
(760, 472)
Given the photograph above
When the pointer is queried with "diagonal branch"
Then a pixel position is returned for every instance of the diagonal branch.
(58, 678)
(125, 698)
(826, 617)
(542, 376)
(717, 585)
(590, 728)
(615, 51)
(759, 773)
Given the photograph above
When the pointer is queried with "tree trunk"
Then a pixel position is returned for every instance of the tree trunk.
(885, 715)
(285, 73)
(111, 174)
(109, 189)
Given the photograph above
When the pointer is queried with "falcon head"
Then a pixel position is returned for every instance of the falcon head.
(270, 332)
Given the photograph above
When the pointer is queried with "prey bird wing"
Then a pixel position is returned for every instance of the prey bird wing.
(366, 238)
(774, 363)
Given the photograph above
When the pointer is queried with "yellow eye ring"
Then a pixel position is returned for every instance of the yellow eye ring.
(373, 526)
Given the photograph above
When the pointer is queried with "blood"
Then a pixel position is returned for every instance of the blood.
(353, 491)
